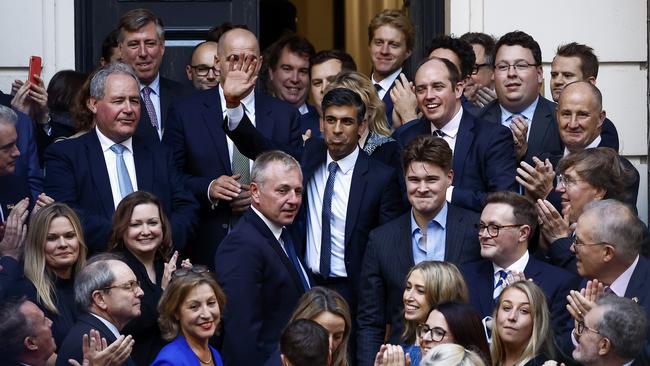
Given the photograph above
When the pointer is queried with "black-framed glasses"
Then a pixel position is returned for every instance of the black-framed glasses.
(132, 285)
(436, 333)
(198, 269)
(520, 66)
(582, 327)
(477, 67)
(493, 229)
(203, 70)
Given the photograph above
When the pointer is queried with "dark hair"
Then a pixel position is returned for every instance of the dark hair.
(600, 167)
(624, 324)
(396, 19)
(347, 62)
(466, 327)
(519, 38)
(523, 208)
(462, 49)
(217, 31)
(135, 19)
(305, 343)
(122, 221)
(14, 328)
(428, 149)
(588, 60)
(454, 73)
(63, 88)
(294, 44)
(344, 97)
(81, 115)
(109, 43)
(487, 41)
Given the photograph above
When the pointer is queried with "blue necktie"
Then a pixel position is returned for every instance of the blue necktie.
(122, 173)
(326, 238)
(293, 257)
(501, 284)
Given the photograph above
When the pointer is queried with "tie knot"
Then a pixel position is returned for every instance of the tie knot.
(378, 87)
(439, 133)
(503, 274)
(332, 167)
(146, 91)
(518, 115)
(118, 149)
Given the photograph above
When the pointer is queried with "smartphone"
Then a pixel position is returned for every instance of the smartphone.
(34, 68)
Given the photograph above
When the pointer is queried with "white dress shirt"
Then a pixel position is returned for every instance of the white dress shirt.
(529, 113)
(386, 83)
(316, 191)
(108, 325)
(450, 129)
(517, 266)
(110, 158)
(155, 100)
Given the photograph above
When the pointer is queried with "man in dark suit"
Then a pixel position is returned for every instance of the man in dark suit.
(484, 159)
(108, 294)
(207, 157)
(391, 37)
(507, 223)
(94, 172)
(325, 65)
(607, 245)
(258, 266)
(431, 230)
(23, 318)
(142, 46)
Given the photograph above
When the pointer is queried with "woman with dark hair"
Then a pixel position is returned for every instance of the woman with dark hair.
(454, 322)
(142, 233)
(61, 92)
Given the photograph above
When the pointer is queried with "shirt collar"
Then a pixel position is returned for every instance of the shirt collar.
(528, 112)
(303, 109)
(154, 85)
(248, 102)
(518, 266)
(388, 81)
(619, 286)
(347, 163)
(108, 325)
(275, 229)
(440, 218)
(106, 143)
(451, 128)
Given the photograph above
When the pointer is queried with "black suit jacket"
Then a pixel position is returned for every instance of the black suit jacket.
(77, 175)
(388, 258)
(170, 91)
(71, 347)
(195, 135)
(310, 121)
(484, 158)
(262, 287)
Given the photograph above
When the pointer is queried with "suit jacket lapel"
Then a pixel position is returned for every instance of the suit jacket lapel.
(539, 127)
(637, 288)
(264, 121)
(143, 160)
(532, 270)
(213, 123)
(464, 141)
(97, 165)
(453, 235)
(486, 286)
(405, 254)
(357, 187)
(165, 100)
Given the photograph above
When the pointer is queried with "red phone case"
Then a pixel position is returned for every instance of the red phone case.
(34, 67)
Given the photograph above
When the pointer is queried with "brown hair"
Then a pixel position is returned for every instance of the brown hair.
(523, 209)
(135, 19)
(428, 149)
(394, 18)
(588, 60)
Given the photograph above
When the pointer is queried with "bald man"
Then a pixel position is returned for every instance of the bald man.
(216, 172)
(204, 70)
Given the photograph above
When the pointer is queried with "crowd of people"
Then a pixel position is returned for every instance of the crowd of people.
(450, 217)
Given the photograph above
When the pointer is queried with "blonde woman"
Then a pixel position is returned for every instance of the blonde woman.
(451, 355)
(521, 334)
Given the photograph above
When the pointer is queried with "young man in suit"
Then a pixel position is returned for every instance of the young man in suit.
(484, 159)
(142, 46)
(94, 172)
(431, 230)
(507, 224)
(216, 172)
(258, 266)
(108, 294)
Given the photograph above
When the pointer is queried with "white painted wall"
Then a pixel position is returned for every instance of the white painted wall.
(617, 31)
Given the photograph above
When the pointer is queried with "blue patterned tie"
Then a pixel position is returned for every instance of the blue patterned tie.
(122, 173)
(148, 105)
(501, 284)
(326, 238)
(293, 257)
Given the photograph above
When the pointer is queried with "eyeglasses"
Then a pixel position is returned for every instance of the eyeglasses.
(580, 245)
(582, 326)
(198, 269)
(493, 229)
(477, 67)
(519, 66)
(202, 70)
(437, 333)
(567, 181)
(129, 286)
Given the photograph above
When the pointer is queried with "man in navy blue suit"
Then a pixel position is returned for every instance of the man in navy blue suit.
(507, 223)
(207, 157)
(431, 230)
(258, 264)
(484, 159)
(92, 173)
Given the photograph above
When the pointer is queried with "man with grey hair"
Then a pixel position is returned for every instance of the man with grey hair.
(108, 294)
(612, 333)
(26, 334)
(141, 41)
(94, 172)
(258, 266)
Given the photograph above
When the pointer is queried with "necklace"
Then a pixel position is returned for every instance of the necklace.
(204, 362)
